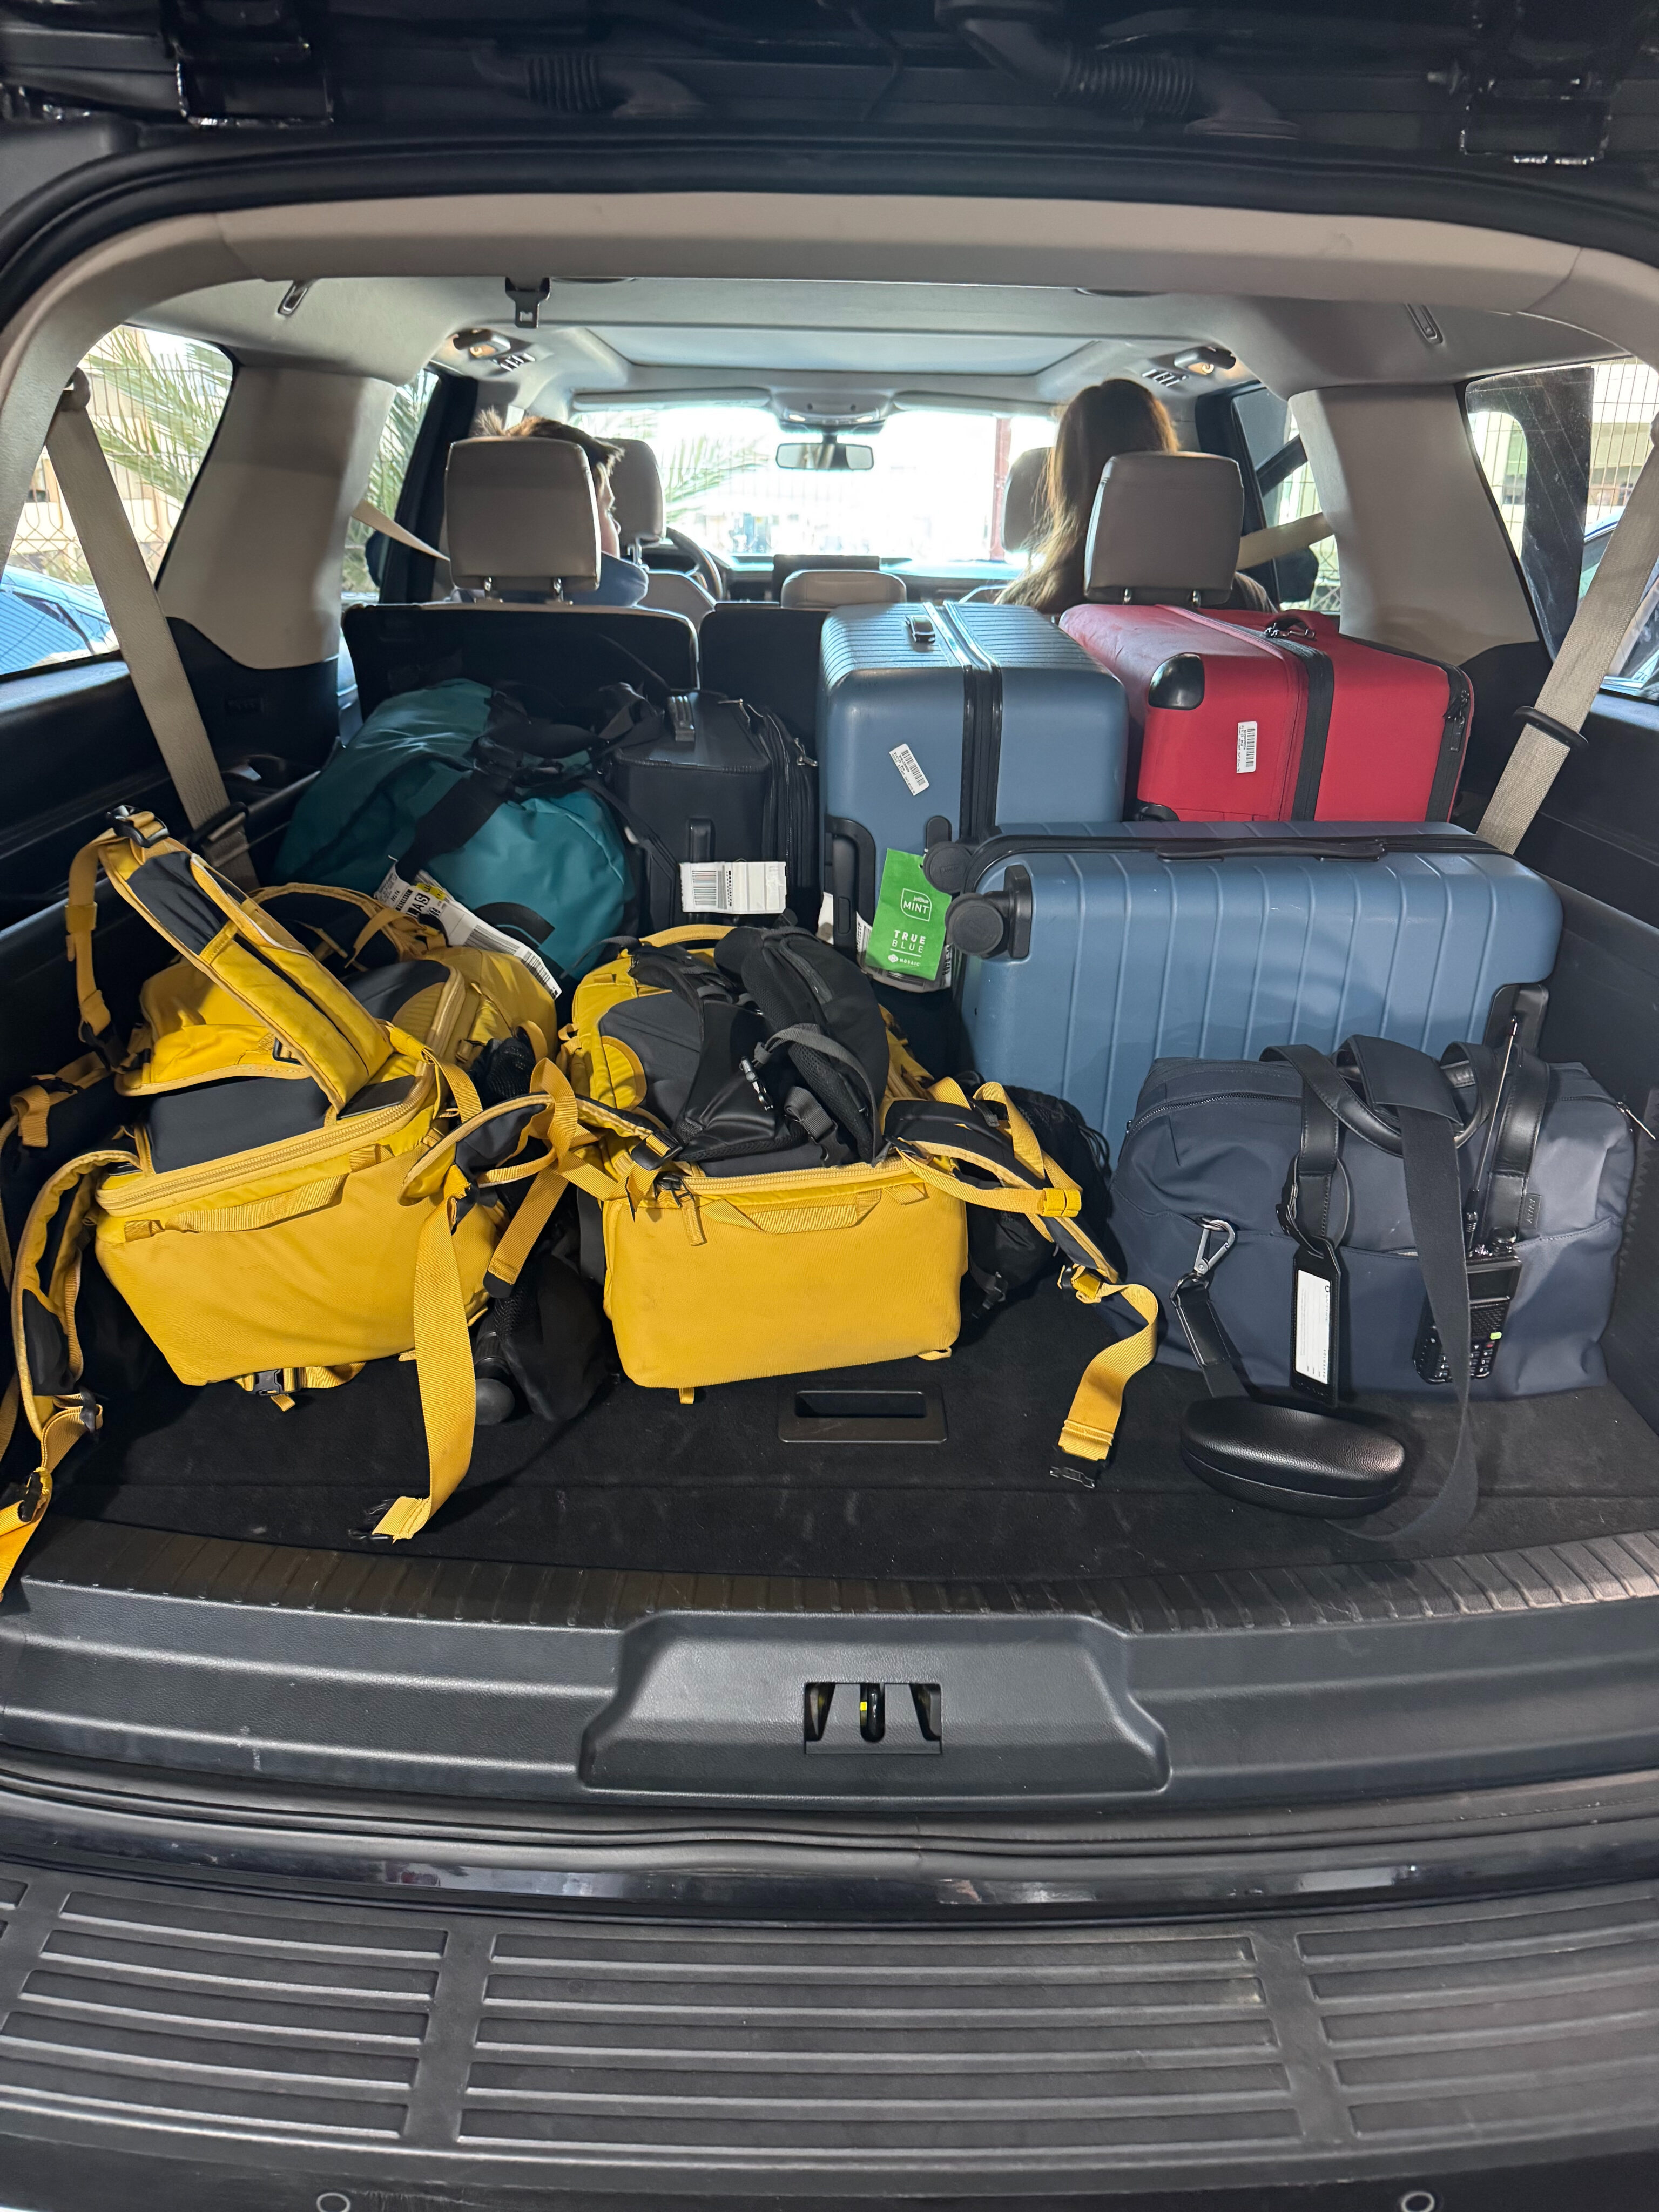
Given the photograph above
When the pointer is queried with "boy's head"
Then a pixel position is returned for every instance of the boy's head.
(601, 458)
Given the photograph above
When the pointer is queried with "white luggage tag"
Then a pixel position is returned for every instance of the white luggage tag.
(734, 886)
(428, 900)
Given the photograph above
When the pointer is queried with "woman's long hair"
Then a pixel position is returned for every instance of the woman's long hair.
(1103, 421)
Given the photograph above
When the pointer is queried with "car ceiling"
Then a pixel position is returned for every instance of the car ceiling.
(650, 339)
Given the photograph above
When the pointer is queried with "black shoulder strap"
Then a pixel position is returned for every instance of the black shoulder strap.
(1523, 1089)
(1425, 1126)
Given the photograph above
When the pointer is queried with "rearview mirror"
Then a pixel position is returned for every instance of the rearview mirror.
(825, 453)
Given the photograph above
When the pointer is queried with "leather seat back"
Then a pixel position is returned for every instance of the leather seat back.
(1165, 530)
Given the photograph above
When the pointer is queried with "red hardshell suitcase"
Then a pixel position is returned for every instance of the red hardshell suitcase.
(1255, 717)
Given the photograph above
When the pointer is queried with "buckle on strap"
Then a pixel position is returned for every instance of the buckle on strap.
(124, 819)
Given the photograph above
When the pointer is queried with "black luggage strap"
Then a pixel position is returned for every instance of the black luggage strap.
(1300, 639)
(1427, 1126)
(1520, 1083)
(1219, 1367)
(817, 1044)
(501, 770)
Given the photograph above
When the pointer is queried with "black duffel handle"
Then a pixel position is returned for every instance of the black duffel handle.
(1325, 1080)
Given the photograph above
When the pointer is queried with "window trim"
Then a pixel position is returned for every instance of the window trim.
(114, 653)
(1463, 390)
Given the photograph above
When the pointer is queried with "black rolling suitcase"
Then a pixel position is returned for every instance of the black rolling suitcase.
(716, 790)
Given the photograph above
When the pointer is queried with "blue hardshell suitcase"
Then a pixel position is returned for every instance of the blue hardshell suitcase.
(1196, 940)
(963, 717)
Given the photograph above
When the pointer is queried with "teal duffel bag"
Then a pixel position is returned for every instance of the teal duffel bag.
(458, 782)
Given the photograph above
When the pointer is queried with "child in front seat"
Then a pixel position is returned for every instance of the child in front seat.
(621, 583)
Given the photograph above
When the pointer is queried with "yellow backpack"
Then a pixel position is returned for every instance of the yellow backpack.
(374, 1223)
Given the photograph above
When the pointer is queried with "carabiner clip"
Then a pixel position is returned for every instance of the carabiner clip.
(1206, 1261)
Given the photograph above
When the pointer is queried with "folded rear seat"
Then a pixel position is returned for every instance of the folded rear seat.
(520, 525)
(1242, 716)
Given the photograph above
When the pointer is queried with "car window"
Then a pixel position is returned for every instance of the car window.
(386, 480)
(1560, 449)
(1285, 482)
(156, 403)
(932, 496)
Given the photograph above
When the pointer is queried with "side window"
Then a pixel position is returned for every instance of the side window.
(385, 481)
(156, 403)
(1560, 449)
(1285, 484)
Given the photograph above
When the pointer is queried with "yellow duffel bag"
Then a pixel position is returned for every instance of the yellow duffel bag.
(330, 1190)
(720, 1278)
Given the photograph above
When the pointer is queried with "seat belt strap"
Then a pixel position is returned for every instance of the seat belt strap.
(1588, 653)
(1279, 539)
(141, 630)
(370, 516)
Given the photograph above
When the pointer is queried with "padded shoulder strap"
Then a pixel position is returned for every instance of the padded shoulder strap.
(245, 951)
(44, 1284)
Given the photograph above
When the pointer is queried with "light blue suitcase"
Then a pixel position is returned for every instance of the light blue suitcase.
(1211, 941)
(966, 717)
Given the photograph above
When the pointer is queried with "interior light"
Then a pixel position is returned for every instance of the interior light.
(1205, 361)
(480, 345)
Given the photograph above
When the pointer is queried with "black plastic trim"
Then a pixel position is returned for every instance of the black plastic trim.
(457, 1679)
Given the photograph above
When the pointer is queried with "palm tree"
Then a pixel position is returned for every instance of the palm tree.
(385, 479)
(156, 412)
(696, 466)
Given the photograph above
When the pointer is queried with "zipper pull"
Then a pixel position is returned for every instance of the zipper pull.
(691, 1214)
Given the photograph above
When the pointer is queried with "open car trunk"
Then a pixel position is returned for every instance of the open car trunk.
(667, 1600)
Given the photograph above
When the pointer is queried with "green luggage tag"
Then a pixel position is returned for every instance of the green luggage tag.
(908, 934)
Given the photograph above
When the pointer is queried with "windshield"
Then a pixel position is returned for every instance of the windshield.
(933, 496)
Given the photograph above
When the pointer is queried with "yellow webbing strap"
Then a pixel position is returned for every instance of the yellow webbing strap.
(8, 1406)
(1091, 1425)
(443, 1362)
(443, 1346)
(535, 1210)
(80, 918)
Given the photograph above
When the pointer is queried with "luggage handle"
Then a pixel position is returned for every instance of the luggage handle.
(1014, 844)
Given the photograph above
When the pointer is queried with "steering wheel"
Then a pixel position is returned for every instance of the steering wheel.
(705, 568)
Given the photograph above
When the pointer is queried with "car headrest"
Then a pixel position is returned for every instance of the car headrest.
(1165, 526)
(637, 498)
(842, 587)
(1024, 507)
(521, 516)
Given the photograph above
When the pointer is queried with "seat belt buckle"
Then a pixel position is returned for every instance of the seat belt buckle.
(1494, 1278)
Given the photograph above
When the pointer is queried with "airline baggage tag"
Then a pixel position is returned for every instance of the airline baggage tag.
(1316, 1323)
(907, 933)
(428, 900)
(734, 886)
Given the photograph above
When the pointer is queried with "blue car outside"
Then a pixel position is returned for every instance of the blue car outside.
(43, 619)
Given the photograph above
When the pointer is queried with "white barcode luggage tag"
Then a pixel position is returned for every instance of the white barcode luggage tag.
(428, 900)
(734, 886)
(915, 777)
(1316, 1323)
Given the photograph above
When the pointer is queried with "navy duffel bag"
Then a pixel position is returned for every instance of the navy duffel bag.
(1303, 1168)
